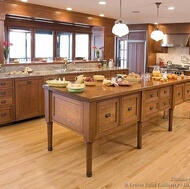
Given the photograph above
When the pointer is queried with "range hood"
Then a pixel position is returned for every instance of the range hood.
(177, 40)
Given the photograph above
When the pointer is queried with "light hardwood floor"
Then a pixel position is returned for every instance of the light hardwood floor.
(163, 162)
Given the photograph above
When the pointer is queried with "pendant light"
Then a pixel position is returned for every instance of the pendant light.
(157, 34)
(120, 28)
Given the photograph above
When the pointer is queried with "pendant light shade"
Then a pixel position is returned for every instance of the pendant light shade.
(120, 28)
(157, 34)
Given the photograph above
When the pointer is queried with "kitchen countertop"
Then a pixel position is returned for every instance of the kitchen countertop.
(58, 71)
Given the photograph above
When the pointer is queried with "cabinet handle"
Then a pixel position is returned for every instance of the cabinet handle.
(165, 91)
(151, 108)
(188, 91)
(179, 94)
(28, 82)
(3, 84)
(164, 103)
(3, 114)
(3, 101)
(107, 115)
(151, 95)
(3, 93)
(130, 108)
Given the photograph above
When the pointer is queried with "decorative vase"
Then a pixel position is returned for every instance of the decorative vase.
(6, 55)
(97, 55)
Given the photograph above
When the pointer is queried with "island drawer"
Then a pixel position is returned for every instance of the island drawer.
(178, 93)
(187, 91)
(164, 103)
(6, 83)
(130, 108)
(151, 108)
(107, 115)
(151, 95)
(165, 92)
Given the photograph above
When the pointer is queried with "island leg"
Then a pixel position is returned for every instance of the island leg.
(170, 119)
(139, 134)
(50, 135)
(88, 159)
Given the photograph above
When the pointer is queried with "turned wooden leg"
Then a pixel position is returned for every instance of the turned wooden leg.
(170, 119)
(88, 159)
(50, 135)
(139, 134)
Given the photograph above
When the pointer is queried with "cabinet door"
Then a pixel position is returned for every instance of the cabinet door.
(28, 98)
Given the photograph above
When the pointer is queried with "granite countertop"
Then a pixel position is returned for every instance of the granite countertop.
(57, 71)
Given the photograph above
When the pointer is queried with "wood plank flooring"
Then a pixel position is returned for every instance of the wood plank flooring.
(163, 162)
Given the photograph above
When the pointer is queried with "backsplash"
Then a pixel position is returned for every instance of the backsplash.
(178, 55)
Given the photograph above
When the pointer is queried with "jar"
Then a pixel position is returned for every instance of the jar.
(156, 71)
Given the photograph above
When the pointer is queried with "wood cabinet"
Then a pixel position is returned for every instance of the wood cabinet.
(6, 101)
(158, 48)
(28, 97)
(178, 93)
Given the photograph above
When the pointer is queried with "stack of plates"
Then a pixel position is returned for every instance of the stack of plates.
(75, 88)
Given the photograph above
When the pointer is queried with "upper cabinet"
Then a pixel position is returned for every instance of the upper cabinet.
(158, 48)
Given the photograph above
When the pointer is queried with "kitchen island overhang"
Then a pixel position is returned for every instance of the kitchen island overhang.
(101, 110)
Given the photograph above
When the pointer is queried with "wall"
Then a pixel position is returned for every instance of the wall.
(176, 55)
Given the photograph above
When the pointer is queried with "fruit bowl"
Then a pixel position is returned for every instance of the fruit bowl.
(90, 81)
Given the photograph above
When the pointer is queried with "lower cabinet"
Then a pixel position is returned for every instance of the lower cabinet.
(28, 97)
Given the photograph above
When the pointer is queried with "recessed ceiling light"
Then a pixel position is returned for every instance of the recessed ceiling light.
(24, 0)
(102, 15)
(102, 2)
(171, 8)
(69, 8)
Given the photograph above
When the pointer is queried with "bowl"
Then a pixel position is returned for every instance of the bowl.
(90, 83)
(75, 87)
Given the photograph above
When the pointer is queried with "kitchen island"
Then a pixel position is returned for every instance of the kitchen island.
(100, 110)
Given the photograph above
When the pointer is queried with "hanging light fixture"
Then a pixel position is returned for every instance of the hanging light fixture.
(120, 28)
(157, 34)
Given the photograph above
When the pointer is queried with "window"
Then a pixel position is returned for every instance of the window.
(44, 44)
(82, 45)
(64, 45)
(21, 49)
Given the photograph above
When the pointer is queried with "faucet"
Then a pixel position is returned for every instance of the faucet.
(65, 66)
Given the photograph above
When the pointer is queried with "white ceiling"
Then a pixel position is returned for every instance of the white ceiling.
(147, 9)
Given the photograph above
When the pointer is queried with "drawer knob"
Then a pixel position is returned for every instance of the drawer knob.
(3, 101)
(3, 93)
(165, 92)
(164, 103)
(151, 108)
(28, 82)
(3, 114)
(130, 108)
(3, 84)
(179, 94)
(151, 95)
(107, 115)
(188, 91)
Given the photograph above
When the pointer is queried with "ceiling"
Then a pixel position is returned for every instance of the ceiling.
(146, 9)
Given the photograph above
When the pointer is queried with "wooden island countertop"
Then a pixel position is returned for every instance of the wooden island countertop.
(100, 110)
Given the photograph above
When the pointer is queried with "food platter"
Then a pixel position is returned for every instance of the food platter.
(57, 83)
(121, 83)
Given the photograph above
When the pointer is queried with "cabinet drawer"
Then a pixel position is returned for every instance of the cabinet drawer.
(130, 108)
(6, 115)
(151, 108)
(6, 92)
(6, 83)
(6, 101)
(179, 92)
(165, 92)
(151, 95)
(165, 103)
(187, 91)
(107, 115)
